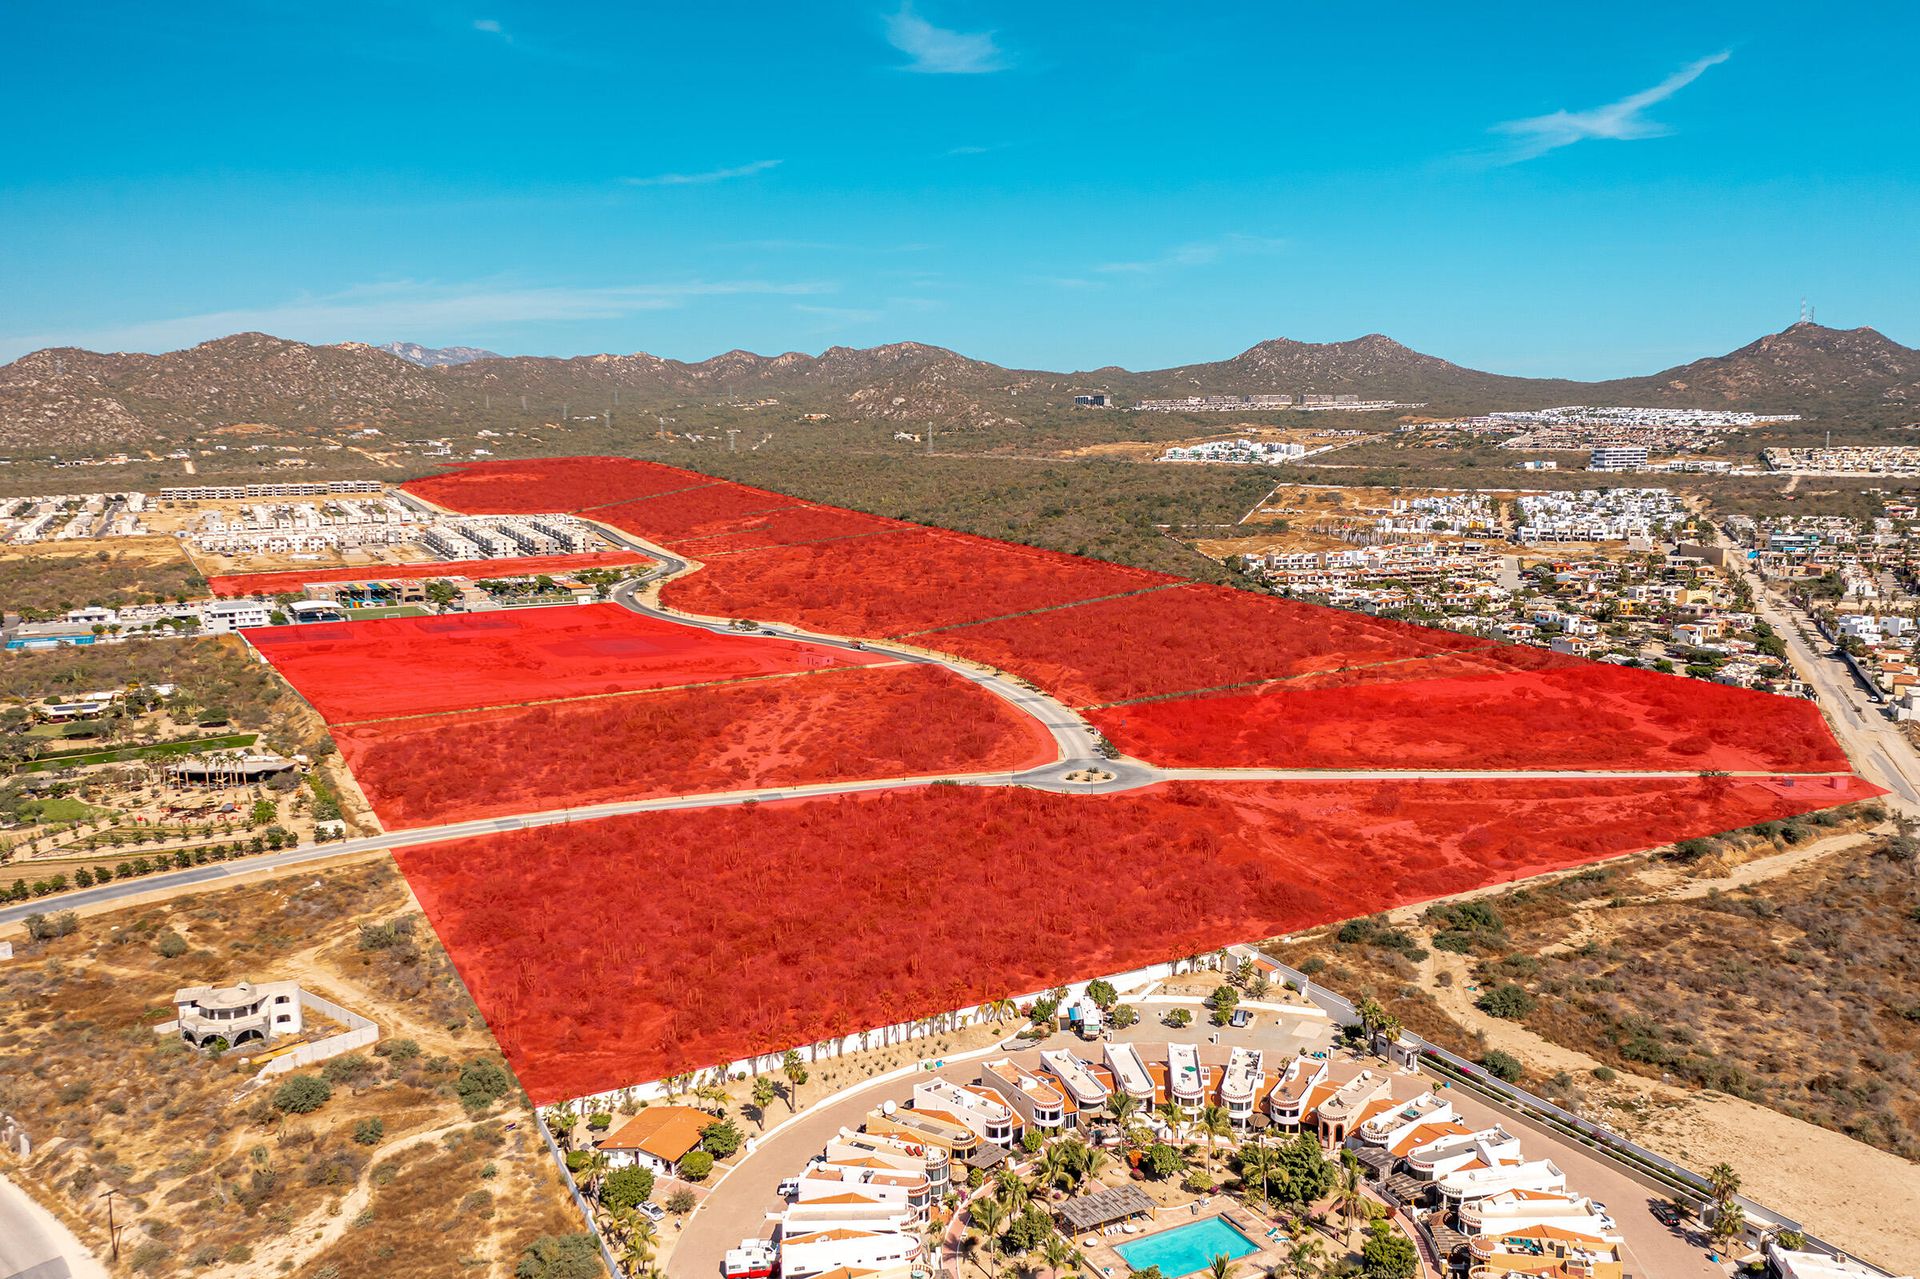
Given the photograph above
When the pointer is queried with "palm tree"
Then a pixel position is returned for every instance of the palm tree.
(987, 1215)
(1059, 1253)
(1214, 1122)
(1348, 1196)
(1012, 1191)
(1221, 1267)
(1372, 1014)
(1305, 1255)
(763, 1095)
(1257, 1165)
(594, 1170)
(1122, 1107)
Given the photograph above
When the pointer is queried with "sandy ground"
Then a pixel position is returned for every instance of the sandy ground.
(1849, 1193)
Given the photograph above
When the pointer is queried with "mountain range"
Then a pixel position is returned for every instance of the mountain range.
(67, 399)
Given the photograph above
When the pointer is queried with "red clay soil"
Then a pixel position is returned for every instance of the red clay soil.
(1190, 637)
(420, 665)
(874, 722)
(897, 583)
(686, 938)
(1498, 709)
(292, 580)
(548, 484)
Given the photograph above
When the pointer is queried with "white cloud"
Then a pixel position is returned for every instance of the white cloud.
(701, 179)
(1622, 121)
(489, 25)
(1196, 253)
(938, 51)
(411, 309)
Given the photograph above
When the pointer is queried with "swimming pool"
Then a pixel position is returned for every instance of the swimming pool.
(1187, 1249)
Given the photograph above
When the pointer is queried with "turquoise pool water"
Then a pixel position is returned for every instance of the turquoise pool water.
(1188, 1249)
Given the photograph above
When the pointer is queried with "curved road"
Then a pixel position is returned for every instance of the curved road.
(1072, 735)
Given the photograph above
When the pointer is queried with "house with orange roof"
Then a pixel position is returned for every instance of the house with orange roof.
(657, 1138)
(1546, 1252)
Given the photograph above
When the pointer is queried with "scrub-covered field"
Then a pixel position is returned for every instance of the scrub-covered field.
(698, 936)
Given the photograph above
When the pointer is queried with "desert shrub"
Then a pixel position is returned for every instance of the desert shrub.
(302, 1094)
(368, 1132)
(398, 1051)
(560, 1257)
(171, 945)
(349, 1069)
(681, 1202)
(1508, 1001)
(482, 1082)
(1502, 1065)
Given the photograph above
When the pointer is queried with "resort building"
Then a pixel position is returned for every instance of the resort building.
(1037, 1102)
(1084, 1090)
(1487, 1148)
(923, 1128)
(1547, 1252)
(1241, 1083)
(808, 1251)
(1389, 1128)
(1351, 1105)
(990, 1118)
(931, 1162)
(1290, 1102)
(1186, 1082)
(1473, 1183)
(1130, 1073)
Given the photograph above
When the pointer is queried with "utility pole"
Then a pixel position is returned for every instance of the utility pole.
(113, 1231)
(732, 438)
(929, 439)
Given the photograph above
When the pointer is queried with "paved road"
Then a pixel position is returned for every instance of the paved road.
(1072, 735)
(33, 1242)
(1871, 741)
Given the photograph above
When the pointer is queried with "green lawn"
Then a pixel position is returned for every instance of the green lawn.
(60, 810)
(386, 610)
(118, 754)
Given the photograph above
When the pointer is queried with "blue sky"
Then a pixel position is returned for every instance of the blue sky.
(1538, 189)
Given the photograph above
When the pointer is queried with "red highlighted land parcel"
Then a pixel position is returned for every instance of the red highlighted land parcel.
(699, 935)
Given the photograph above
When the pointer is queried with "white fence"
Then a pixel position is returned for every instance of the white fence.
(904, 1032)
(360, 1032)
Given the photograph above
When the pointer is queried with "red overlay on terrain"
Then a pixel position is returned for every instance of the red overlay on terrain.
(1497, 709)
(686, 938)
(841, 725)
(292, 580)
(695, 936)
(419, 665)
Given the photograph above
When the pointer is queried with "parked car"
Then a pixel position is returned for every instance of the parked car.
(790, 1187)
(1241, 1019)
(653, 1212)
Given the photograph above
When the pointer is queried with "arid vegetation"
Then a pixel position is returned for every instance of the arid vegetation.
(833, 725)
(1797, 990)
(44, 581)
(414, 1157)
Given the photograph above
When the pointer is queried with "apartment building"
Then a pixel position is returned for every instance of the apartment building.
(1130, 1073)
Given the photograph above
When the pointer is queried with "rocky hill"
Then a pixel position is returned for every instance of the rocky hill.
(69, 400)
(1803, 367)
(437, 357)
